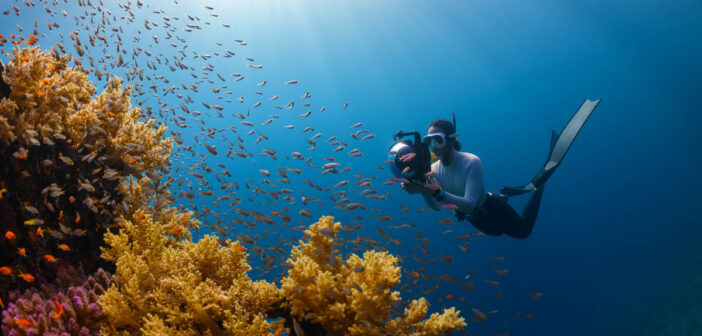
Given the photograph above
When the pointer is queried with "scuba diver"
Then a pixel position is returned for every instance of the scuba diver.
(455, 180)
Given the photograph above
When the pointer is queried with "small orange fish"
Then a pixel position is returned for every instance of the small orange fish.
(60, 310)
(176, 230)
(52, 68)
(25, 58)
(421, 315)
(71, 199)
(279, 331)
(77, 218)
(6, 270)
(27, 277)
(64, 247)
(10, 235)
(535, 296)
(50, 258)
(450, 296)
(141, 216)
(22, 251)
(241, 249)
(493, 282)
(23, 323)
(40, 94)
(2, 304)
(336, 251)
(40, 232)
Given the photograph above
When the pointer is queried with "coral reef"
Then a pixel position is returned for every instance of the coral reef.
(58, 309)
(353, 296)
(168, 285)
(64, 156)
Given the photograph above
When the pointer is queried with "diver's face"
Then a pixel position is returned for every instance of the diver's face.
(439, 151)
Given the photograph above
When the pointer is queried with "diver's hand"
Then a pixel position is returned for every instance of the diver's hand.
(411, 187)
(427, 189)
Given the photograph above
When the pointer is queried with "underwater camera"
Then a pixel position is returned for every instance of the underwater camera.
(409, 159)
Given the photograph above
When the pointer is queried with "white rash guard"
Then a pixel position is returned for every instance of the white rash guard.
(461, 181)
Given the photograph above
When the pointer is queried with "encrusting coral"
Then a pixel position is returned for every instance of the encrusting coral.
(353, 296)
(58, 309)
(168, 285)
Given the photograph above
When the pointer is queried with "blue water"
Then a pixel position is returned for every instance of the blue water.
(615, 249)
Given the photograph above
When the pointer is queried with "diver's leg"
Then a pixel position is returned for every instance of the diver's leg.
(531, 209)
(510, 222)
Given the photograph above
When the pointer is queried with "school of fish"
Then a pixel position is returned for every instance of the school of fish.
(232, 161)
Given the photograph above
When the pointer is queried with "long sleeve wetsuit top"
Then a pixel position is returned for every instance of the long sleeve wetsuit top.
(462, 182)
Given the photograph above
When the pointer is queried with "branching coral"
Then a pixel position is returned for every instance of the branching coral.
(354, 296)
(58, 309)
(45, 92)
(49, 97)
(111, 122)
(172, 286)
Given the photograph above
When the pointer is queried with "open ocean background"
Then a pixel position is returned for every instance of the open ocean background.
(616, 249)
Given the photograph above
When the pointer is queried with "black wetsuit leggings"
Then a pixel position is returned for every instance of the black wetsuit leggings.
(497, 217)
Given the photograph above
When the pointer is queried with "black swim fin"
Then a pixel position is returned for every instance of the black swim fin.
(560, 143)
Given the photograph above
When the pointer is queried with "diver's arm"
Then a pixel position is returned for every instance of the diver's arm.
(414, 188)
(431, 202)
(473, 190)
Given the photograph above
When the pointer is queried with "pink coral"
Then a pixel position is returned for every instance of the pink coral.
(81, 314)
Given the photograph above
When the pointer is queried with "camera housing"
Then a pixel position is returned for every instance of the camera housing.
(409, 159)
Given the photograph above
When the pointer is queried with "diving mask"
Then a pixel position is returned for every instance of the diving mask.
(437, 140)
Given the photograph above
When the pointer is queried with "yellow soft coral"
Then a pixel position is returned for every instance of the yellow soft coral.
(412, 322)
(49, 97)
(45, 92)
(110, 121)
(173, 286)
(353, 296)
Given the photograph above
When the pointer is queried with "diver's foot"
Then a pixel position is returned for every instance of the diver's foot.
(540, 179)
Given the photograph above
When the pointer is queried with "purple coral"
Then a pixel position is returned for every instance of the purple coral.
(81, 313)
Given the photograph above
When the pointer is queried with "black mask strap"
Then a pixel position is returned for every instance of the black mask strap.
(453, 120)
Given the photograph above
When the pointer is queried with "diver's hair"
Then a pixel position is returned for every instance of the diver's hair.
(447, 128)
